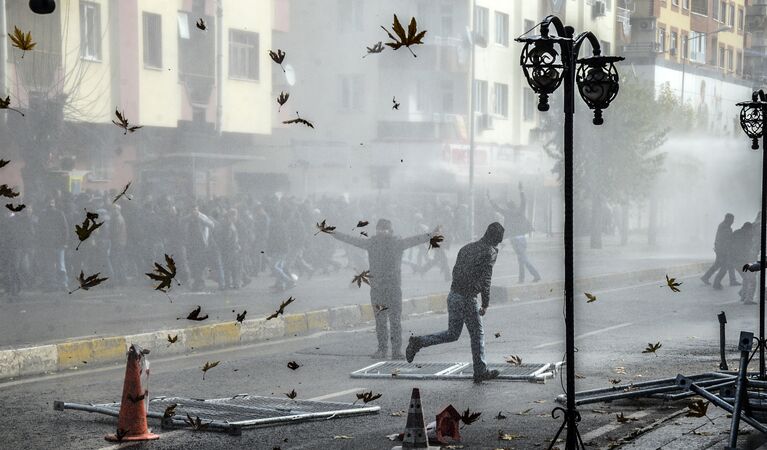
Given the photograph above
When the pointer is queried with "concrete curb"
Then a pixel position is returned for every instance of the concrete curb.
(93, 351)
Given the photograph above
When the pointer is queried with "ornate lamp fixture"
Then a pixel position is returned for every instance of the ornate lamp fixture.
(597, 80)
(752, 117)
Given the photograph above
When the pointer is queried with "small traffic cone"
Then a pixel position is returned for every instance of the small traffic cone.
(415, 430)
(131, 423)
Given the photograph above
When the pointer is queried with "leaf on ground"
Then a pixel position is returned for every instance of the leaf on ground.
(508, 436)
(367, 397)
(514, 360)
(615, 380)
(698, 408)
(623, 419)
(399, 413)
(469, 417)
(196, 423)
(342, 436)
(120, 434)
(500, 415)
(170, 411)
(620, 370)
(292, 365)
(652, 348)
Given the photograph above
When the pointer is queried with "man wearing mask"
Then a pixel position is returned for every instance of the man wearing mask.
(472, 275)
(385, 265)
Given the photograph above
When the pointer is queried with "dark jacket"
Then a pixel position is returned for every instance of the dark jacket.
(741, 247)
(52, 229)
(473, 268)
(723, 239)
(384, 256)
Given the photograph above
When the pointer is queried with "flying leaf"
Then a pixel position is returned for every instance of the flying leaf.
(170, 411)
(6, 104)
(698, 408)
(514, 360)
(208, 365)
(123, 123)
(281, 310)
(411, 38)
(672, 284)
(195, 315)
(652, 348)
(22, 41)
(623, 419)
(361, 224)
(165, 275)
(291, 395)
(241, 316)
(172, 340)
(364, 234)
(6, 191)
(282, 99)
(367, 397)
(196, 423)
(497, 335)
(377, 48)
(590, 298)
(324, 228)
(120, 434)
(278, 57)
(469, 417)
(435, 240)
(292, 365)
(362, 278)
(3, 162)
(395, 103)
(16, 208)
(299, 120)
(500, 416)
(201, 24)
(124, 193)
(89, 282)
(88, 226)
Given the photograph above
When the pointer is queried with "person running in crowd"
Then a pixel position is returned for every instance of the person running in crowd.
(385, 264)
(722, 248)
(472, 275)
(519, 227)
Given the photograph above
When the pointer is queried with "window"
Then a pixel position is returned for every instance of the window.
(481, 26)
(698, 47)
(675, 2)
(243, 55)
(739, 62)
(480, 96)
(446, 11)
(662, 39)
(448, 96)
(741, 19)
(730, 60)
(700, 7)
(673, 43)
(731, 16)
(721, 57)
(90, 31)
(502, 29)
(351, 92)
(528, 104)
(501, 99)
(685, 47)
(152, 40)
(723, 11)
(350, 15)
(686, 4)
(715, 10)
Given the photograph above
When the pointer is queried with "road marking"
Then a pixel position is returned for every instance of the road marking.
(590, 333)
(335, 394)
(604, 429)
(135, 443)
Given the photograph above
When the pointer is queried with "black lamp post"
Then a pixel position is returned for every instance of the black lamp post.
(753, 120)
(597, 79)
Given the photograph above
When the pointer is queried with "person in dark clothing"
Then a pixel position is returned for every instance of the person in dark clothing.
(722, 247)
(742, 240)
(199, 238)
(52, 237)
(518, 226)
(385, 265)
(472, 275)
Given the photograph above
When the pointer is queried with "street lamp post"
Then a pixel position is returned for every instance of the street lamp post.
(753, 120)
(597, 80)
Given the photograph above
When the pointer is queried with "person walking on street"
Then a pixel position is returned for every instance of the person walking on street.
(472, 275)
(742, 240)
(52, 238)
(385, 264)
(722, 247)
(518, 225)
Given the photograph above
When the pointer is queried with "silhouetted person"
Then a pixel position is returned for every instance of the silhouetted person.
(742, 245)
(518, 226)
(722, 247)
(52, 238)
(385, 262)
(472, 275)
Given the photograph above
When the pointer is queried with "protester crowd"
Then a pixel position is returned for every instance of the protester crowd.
(224, 241)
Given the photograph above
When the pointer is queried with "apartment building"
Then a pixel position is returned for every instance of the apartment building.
(696, 48)
(200, 95)
(755, 64)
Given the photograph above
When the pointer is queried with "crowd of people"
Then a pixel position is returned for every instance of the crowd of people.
(223, 242)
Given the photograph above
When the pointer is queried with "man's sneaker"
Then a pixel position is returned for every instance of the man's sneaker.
(380, 354)
(488, 375)
(412, 348)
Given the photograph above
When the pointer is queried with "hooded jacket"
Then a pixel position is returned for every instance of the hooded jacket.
(473, 268)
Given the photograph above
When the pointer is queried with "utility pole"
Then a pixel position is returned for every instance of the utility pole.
(472, 107)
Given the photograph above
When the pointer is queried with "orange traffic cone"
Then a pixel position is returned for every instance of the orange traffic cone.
(415, 430)
(131, 423)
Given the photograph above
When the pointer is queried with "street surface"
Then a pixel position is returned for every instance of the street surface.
(610, 333)
(37, 318)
